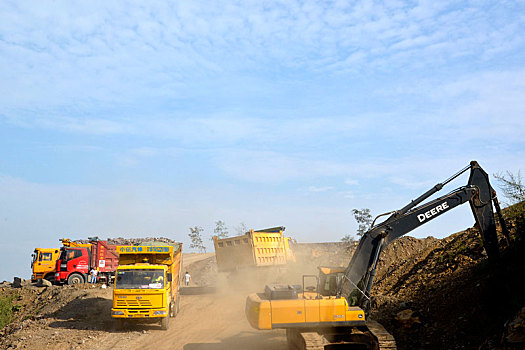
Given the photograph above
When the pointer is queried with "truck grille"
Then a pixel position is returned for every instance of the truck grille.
(133, 303)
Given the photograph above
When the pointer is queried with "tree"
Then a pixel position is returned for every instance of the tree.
(196, 239)
(348, 238)
(221, 231)
(242, 229)
(512, 186)
(363, 218)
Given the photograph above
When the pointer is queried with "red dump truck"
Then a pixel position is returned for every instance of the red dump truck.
(74, 263)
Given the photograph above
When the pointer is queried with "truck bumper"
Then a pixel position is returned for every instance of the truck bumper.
(139, 313)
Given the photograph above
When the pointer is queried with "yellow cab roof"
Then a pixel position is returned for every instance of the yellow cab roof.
(143, 266)
(47, 250)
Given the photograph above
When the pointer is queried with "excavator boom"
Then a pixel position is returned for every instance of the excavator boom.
(361, 270)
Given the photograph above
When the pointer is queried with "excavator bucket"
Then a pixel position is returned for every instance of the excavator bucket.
(481, 206)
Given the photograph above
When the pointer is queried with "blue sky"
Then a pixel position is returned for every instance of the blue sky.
(121, 119)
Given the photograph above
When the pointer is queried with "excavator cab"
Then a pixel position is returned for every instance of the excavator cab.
(330, 279)
(330, 282)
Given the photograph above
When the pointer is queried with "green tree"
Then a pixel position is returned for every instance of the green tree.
(364, 220)
(196, 239)
(511, 186)
(221, 231)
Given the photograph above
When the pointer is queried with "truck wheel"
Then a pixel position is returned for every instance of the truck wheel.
(75, 279)
(164, 323)
(172, 310)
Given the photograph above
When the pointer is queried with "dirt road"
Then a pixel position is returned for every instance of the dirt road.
(211, 322)
(205, 322)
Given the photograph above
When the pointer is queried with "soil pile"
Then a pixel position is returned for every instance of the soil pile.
(58, 317)
(132, 241)
(204, 272)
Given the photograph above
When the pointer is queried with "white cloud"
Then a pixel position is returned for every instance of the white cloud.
(113, 52)
(351, 182)
(348, 194)
(317, 189)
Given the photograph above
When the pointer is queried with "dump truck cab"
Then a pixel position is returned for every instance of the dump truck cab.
(43, 263)
(76, 260)
(72, 266)
(43, 260)
(147, 284)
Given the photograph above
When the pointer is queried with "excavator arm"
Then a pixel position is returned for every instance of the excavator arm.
(360, 273)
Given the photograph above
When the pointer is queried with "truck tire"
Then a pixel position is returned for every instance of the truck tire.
(164, 323)
(173, 312)
(75, 278)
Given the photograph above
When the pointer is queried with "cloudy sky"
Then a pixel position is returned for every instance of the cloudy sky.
(135, 120)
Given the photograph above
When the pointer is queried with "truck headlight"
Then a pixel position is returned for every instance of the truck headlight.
(160, 312)
(117, 313)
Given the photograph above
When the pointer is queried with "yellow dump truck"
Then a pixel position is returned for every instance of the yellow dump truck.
(266, 247)
(147, 284)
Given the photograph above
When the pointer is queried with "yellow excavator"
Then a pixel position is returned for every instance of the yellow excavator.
(330, 311)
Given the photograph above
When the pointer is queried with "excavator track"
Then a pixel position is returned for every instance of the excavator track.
(313, 341)
(386, 340)
(304, 340)
(376, 337)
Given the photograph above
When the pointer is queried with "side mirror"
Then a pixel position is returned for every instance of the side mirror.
(170, 276)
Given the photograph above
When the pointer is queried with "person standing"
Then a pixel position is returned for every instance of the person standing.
(93, 274)
(187, 278)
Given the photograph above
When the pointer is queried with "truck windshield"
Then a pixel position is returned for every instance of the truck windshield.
(34, 256)
(139, 279)
(70, 254)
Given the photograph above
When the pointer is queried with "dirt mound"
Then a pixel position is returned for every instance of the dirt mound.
(204, 272)
(58, 317)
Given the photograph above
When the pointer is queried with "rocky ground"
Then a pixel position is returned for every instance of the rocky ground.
(57, 317)
(430, 293)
